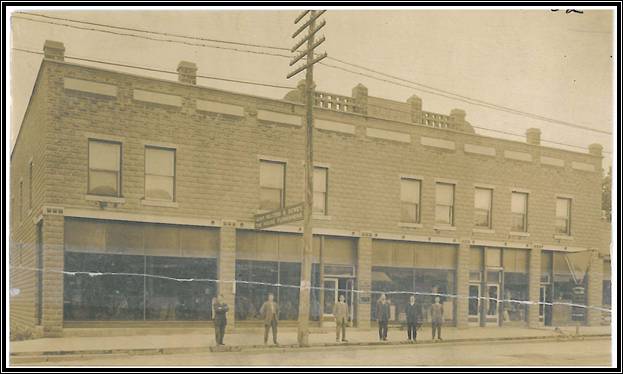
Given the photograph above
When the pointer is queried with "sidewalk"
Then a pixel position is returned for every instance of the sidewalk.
(204, 339)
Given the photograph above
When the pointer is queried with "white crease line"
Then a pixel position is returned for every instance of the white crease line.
(527, 302)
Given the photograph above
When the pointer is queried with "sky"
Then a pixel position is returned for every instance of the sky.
(554, 64)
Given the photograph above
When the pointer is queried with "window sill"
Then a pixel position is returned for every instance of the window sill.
(444, 228)
(107, 199)
(410, 225)
(321, 217)
(483, 231)
(519, 233)
(563, 237)
(166, 204)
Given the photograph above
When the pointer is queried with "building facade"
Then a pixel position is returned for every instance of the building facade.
(133, 200)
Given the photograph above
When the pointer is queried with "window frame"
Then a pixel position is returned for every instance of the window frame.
(418, 204)
(283, 189)
(325, 211)
(174, 176)
(525, 218)
(453, 185)
(119, 172)
(490, 211)
(568, 218)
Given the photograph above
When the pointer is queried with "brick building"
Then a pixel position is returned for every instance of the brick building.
(119, 173)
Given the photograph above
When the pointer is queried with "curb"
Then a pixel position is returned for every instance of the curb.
(55, 356)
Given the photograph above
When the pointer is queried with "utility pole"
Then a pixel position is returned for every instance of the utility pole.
(310, 25)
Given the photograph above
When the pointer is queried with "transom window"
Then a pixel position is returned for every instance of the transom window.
(159, 173)
(444, 204)
(482, 207)
(320, 190)
(104, 168)
(272, 184)
(410, 200)
(563, 216)
(519, 211)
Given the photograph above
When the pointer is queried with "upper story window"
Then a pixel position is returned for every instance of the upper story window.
(159, 173)
(104, 168)
(410, 200)
(563, 216)
(444, 204)
(519, 212)
(272, 184)
(482, 207)
(321, 186)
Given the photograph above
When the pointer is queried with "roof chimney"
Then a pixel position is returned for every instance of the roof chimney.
(533, 136)
(360, 96)
(595, 149)
(187, 72)
(54, 50)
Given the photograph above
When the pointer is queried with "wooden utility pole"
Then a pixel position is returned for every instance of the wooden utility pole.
(310, 25)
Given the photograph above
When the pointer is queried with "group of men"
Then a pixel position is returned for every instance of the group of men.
(269, 313)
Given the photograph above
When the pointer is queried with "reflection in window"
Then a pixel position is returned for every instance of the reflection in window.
(410, 200)
(159, 173)
(482, 207)
(563, 216)
(320, 190)
(444, 204)
(104, 168)
(519, 212)
(272, 185)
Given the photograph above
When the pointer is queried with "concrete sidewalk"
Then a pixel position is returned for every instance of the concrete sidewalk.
(203, 340)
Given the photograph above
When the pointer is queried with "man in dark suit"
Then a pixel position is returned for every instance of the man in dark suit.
(413, 318)
(382, 316)
(220, 319)
(270, 314)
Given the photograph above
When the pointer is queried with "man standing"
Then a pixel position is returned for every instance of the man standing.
(436, 312)
(382, 316)
(413, 318)
(270, 314)
(340, 312)
(220, 319)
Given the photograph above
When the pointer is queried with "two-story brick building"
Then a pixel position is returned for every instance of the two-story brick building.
(133, 200)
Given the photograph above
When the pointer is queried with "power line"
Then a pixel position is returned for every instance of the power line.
(158, 32)
(161, 70)
(442, 93)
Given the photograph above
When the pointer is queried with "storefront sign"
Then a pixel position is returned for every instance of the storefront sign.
(279, 217)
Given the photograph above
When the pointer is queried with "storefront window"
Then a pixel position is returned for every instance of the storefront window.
(169, 299)
(263, 277)
(516, 289)
(106, 296)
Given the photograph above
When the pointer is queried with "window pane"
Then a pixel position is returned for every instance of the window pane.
(444, 194)
(481, 218)
(319, 202)
(482, 199)
(562, 208)
(103, 182)
(104, 156)
(271, 174)
(159, 161)
(518, 202)
(562, 226)
(320, 179)
(409, 212)
(443, 214)
(270, 198)
(410, 190)
(518, 222)
(158, 188)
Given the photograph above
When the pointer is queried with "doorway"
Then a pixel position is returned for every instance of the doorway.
(332, 289)
(473, 315)
(493, 303)
(545, 310)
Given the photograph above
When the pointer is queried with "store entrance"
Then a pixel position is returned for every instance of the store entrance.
(545, 308)
(492, 305)
(474, 304)
(332, 289)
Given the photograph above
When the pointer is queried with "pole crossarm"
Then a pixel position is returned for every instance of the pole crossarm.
(311, 19)
(309, 35)
(304, 53)
(300, 16)
(309, 64)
